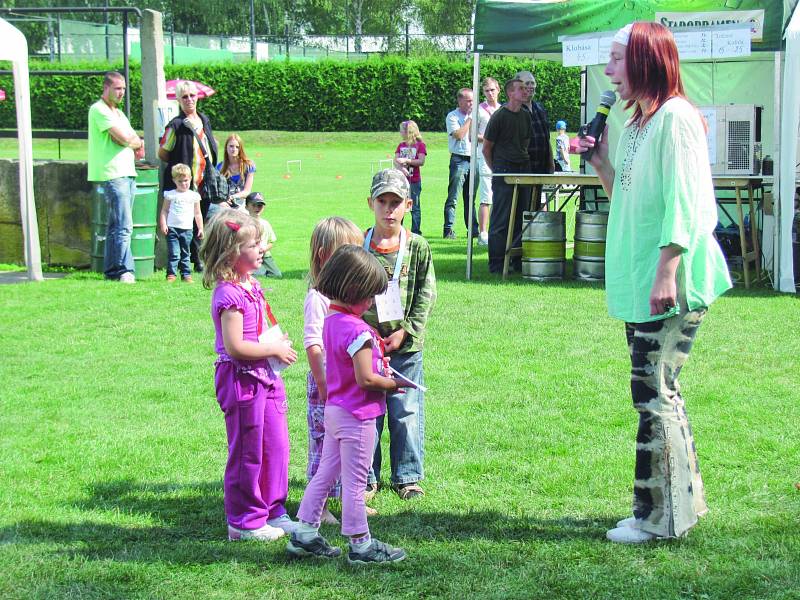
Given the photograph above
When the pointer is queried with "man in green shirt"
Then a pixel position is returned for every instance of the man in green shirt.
(112, 142)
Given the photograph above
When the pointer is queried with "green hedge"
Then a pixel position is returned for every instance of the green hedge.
(374, 95)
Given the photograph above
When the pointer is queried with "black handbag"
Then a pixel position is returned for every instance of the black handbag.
(215, 187)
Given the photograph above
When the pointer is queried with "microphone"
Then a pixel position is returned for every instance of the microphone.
(598, 124)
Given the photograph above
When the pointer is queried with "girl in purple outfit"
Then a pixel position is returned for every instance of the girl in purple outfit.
(356, 396)
(249, 391)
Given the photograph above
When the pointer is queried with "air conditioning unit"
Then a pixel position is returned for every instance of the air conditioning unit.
(734, 138)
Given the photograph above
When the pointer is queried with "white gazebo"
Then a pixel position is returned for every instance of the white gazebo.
(14, 48)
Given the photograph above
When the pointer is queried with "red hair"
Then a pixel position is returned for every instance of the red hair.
(653, 69)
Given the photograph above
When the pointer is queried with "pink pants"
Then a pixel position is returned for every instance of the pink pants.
(257, 472)
(346, 452)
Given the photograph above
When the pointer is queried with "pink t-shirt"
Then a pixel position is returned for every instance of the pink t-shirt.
(343, 335)
(412, 152)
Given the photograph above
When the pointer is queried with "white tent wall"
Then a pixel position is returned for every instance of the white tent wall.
(789, 133)
(14, 48)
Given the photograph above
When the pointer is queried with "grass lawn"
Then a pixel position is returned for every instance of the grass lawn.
(112, 446)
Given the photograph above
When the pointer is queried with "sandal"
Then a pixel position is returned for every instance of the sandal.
(407, 491)
(369, 493)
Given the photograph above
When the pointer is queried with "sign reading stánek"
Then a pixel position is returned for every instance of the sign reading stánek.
(707, 20)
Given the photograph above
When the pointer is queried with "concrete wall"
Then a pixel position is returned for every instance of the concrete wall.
(63, 211)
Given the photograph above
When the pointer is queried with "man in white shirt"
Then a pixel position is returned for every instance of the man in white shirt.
(459, 122)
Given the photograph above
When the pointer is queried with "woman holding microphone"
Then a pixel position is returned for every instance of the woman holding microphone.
(663, 269)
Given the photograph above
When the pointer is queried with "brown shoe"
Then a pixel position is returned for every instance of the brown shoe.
(407, 491)
(187, 279)
(171, 278)
(369, 494)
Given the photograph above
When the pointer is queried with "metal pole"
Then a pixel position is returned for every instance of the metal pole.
(58, 37)
(473, 162)
(407, 39)
(172, 42)
(105, 18)
(252, 30)
(125, 63)
(52, 37)
(286, 33)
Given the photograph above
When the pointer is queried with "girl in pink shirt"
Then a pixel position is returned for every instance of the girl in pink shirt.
(357, 389)
(249, 390)
(328, 235)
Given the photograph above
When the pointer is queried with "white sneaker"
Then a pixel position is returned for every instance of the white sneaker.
(483, 239)
(267, 533)
(127, 277)
(629, 522)
(629, 535)
(284, 522)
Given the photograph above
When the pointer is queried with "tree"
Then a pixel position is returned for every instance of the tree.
(444, 16)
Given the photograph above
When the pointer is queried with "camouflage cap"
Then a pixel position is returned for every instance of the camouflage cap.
(389, 181)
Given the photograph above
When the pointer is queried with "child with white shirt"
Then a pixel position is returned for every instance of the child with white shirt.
(181, 206)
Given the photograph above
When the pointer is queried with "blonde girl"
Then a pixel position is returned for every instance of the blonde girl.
(357, 387)
(328, 235)
(409, 158)
(249, 391)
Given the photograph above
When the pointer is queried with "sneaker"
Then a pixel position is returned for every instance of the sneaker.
(284, 522)
(318, 546)
(171, 278)
(127, 277)
(187, 279)
(369, 494)
(449, 234)
(267, 533)
(630, 535)
(376, 552)
(483, 239)
(629, 522)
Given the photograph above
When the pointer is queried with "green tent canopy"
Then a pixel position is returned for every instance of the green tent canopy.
(768, 77)
(534, 26)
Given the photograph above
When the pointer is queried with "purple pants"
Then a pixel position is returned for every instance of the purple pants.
(346, 451)
(257, 472)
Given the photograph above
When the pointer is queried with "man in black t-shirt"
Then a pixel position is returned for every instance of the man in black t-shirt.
(505, 148)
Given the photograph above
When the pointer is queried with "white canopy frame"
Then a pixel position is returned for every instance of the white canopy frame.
(14, 48)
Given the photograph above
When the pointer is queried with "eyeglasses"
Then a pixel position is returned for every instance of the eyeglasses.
(187, 96)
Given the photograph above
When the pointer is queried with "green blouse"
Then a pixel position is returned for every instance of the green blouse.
(663, 194)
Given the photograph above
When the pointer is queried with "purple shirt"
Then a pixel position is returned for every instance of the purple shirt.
(343, 335)
(252, 305)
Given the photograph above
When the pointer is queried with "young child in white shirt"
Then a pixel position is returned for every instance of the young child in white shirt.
(180, 207)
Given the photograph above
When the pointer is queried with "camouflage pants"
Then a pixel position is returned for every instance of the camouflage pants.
(668, 493)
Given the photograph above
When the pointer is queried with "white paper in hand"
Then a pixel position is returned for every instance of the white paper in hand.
(274, 334)
(405, 379)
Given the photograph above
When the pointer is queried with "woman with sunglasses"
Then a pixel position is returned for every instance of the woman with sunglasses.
(179, 145)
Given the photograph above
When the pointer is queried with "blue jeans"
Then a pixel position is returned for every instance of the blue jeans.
(406, 416)
(459, 180)
(415, 189)
(179, 242)
(119, 194)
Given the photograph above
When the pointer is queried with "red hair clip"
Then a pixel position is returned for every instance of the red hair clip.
(232, 225)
